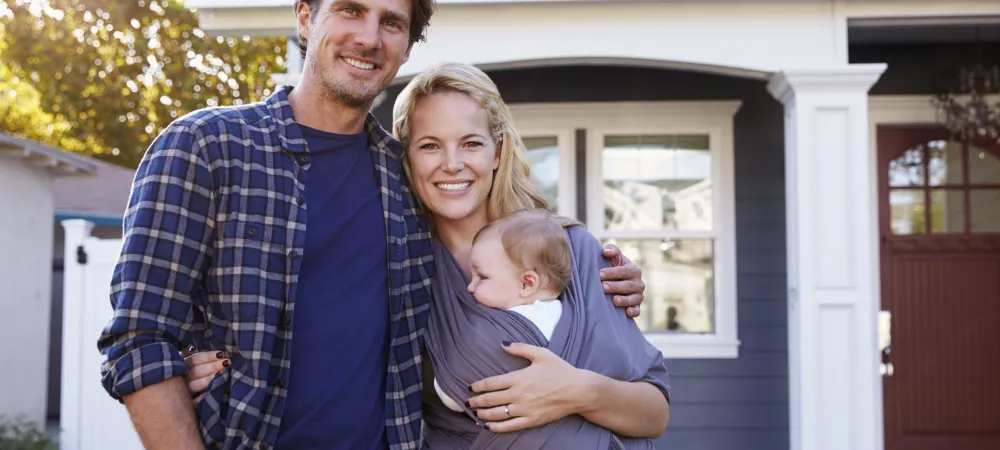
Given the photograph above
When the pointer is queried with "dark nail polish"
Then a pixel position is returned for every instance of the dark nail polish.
(486, 426)
(226, 363)
(191, 349)
(467, 405)
(470, 388)
(505, 343)
(220, 355)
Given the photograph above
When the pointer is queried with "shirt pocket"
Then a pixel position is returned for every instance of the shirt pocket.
(251, 268)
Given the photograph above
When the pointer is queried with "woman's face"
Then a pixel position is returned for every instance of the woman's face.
(452, 156)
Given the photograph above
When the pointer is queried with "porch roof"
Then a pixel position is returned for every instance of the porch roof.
(52, 159)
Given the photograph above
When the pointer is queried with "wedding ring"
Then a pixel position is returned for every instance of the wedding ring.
(506, 410)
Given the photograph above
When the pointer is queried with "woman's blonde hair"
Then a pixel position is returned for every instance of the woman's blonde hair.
(513, 189)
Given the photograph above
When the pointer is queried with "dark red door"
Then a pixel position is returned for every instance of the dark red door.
(940, 229)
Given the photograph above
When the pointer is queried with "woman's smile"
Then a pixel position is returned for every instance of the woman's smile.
(454, 188)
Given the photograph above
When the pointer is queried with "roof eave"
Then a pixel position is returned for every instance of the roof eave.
(50, 160)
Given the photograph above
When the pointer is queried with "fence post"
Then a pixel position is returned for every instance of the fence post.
(77, 232)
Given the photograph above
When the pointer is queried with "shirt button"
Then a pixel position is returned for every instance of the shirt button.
(293, 254)
(303, 160)
(251, 232)
(300, 200)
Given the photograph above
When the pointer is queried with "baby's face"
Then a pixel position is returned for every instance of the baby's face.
(496, 281)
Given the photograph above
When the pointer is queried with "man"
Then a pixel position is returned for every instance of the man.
(217, 255)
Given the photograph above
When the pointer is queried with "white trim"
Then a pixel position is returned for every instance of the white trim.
(835, 396)
(713, 118)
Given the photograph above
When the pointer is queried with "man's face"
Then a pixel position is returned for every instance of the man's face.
(355, 47)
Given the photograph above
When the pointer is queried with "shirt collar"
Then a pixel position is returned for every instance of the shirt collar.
(290, 133)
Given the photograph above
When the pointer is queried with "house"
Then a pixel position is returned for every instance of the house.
(821, 253)
(28, 174)
(40, 187)
(779, 170)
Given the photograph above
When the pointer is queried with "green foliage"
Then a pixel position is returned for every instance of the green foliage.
(106, 76)
(20, 434)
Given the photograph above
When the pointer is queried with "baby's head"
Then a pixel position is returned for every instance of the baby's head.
(519, 259)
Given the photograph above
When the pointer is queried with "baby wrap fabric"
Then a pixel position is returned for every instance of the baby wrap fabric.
(464, 341)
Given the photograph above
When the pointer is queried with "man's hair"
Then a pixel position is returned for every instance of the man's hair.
(534, 239)
(420, 17)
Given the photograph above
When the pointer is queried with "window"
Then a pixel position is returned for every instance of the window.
(551, 157)
(943, 187)
(543, 156)
(659, 184)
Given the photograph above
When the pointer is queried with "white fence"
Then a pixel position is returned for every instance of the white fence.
(89, 418)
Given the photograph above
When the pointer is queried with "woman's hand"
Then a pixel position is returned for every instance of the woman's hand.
(201, 368)
(547, 390)
(624, 280)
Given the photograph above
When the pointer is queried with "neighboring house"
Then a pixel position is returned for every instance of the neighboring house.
(29, 173)
(778, 170)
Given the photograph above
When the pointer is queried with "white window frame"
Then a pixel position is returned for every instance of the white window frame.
(565, 139)
(712, 118)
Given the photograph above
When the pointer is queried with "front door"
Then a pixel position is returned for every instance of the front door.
(940, 251)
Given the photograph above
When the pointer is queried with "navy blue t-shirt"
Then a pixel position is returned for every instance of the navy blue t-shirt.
(340, 327)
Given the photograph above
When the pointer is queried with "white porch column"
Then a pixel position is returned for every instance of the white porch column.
(831, 213)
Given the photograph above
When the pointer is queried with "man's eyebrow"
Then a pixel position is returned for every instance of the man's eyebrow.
(396, 15)
(349, 4)
(386, 15)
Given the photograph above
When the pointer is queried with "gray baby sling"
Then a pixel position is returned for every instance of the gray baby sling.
(464, 341)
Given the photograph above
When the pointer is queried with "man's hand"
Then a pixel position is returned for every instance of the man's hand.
(624, 280)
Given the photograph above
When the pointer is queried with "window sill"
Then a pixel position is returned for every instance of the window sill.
(694, 346)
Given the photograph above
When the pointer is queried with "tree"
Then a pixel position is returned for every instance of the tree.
(109, 75)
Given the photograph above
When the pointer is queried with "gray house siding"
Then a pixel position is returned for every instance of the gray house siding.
(736, 404)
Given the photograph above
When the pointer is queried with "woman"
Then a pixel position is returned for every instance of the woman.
(466, 164)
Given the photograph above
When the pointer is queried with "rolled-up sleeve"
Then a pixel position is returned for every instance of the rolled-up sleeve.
(167, 238)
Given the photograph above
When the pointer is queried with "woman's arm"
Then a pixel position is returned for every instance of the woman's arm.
(633, 409)
(550, 389)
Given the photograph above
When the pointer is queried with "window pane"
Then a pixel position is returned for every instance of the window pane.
(945, 164)
(908, 168)
(679, 276)
(907, 211)
(543, 156)
(655, 182)
(984, 166)
(948, 211)
(985, 207)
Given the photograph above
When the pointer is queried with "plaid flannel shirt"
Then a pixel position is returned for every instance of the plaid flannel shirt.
(214, 234)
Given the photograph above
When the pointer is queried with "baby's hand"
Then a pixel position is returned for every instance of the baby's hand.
(201, 368)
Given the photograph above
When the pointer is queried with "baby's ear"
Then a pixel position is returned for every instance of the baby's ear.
(530, 282)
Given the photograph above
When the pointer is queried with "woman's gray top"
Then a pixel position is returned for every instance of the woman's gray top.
(463, 339)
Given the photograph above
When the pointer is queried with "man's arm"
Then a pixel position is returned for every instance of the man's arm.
(163, 417)
(167, 235)
(623, 280)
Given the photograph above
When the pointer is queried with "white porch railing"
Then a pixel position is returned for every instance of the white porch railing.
(89, 418)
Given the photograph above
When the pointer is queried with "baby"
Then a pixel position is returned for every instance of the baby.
(520, 263)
